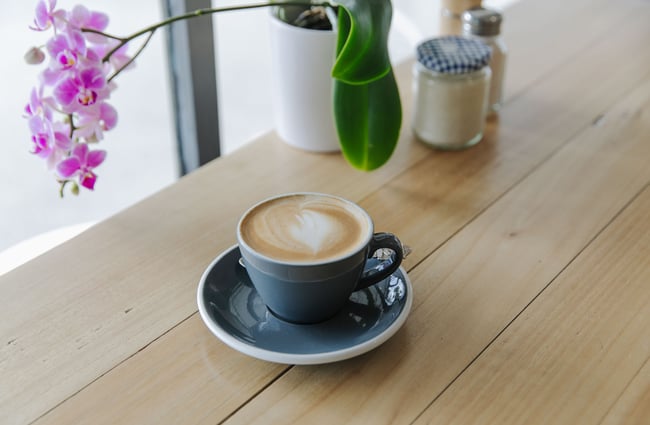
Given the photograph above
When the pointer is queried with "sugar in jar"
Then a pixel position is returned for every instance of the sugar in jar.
(451, 81)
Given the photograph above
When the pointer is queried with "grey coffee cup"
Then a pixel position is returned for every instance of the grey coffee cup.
(311, 291)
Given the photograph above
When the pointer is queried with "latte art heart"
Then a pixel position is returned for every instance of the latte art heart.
(305, 228)
(314, 231)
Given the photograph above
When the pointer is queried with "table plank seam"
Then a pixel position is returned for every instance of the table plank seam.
(568, 140)
(595, 121)
(256, 393)
(108, 371)
(552, 70)
(119, 366)
(507, 190)
(410, 269)
(507, 326)
(623, 391)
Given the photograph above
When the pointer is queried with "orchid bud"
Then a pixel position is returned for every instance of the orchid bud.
(34, 56)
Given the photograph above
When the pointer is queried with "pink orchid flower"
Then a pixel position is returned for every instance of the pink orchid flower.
(42, 136)
(47, 138)
(85, 89)
(67, 111)
(81, 17)
(39, 105)
(67, 49)
(46, 16)
(81, 163)
(91, 125)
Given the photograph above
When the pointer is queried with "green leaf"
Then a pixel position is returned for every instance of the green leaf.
(368, 120)
(367, 107)
(362, 46)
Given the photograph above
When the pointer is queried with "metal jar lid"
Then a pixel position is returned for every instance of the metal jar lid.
(481, 21)
(453, 54)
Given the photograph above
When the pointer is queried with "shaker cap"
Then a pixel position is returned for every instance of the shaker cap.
(453, 54)
(481, 21)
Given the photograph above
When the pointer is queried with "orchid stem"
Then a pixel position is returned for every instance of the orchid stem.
(199, 12)
(72, 126)
(135, 55)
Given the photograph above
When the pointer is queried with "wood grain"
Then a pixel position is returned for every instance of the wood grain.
(446, 190)
(633, 405)
(572, 353)
(113, 312)
(77, 312)
(469, 290)
(554, 32)
(164, 385)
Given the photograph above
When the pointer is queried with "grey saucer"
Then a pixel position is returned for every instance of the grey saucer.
(234, 312)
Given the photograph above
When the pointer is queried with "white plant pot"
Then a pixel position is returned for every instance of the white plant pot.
(301, 62)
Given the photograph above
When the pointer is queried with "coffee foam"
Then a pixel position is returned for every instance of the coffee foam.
(304, 228)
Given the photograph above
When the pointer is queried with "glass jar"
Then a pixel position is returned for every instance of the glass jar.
(451, 15)
(485, 24)
(451, 82)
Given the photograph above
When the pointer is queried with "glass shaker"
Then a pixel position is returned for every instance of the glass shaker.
(485, 24)
(451, 81)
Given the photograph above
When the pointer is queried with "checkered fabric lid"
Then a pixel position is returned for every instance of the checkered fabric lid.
(453, 54)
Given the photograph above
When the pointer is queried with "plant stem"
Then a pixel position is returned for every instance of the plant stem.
(199, 12)
(72, 127)
(130, 61)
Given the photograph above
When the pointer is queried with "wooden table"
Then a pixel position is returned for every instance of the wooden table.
(530, 266)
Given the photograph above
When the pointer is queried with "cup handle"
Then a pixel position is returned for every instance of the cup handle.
(377, 270)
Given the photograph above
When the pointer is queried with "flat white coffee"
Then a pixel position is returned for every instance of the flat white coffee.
(305, 227)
